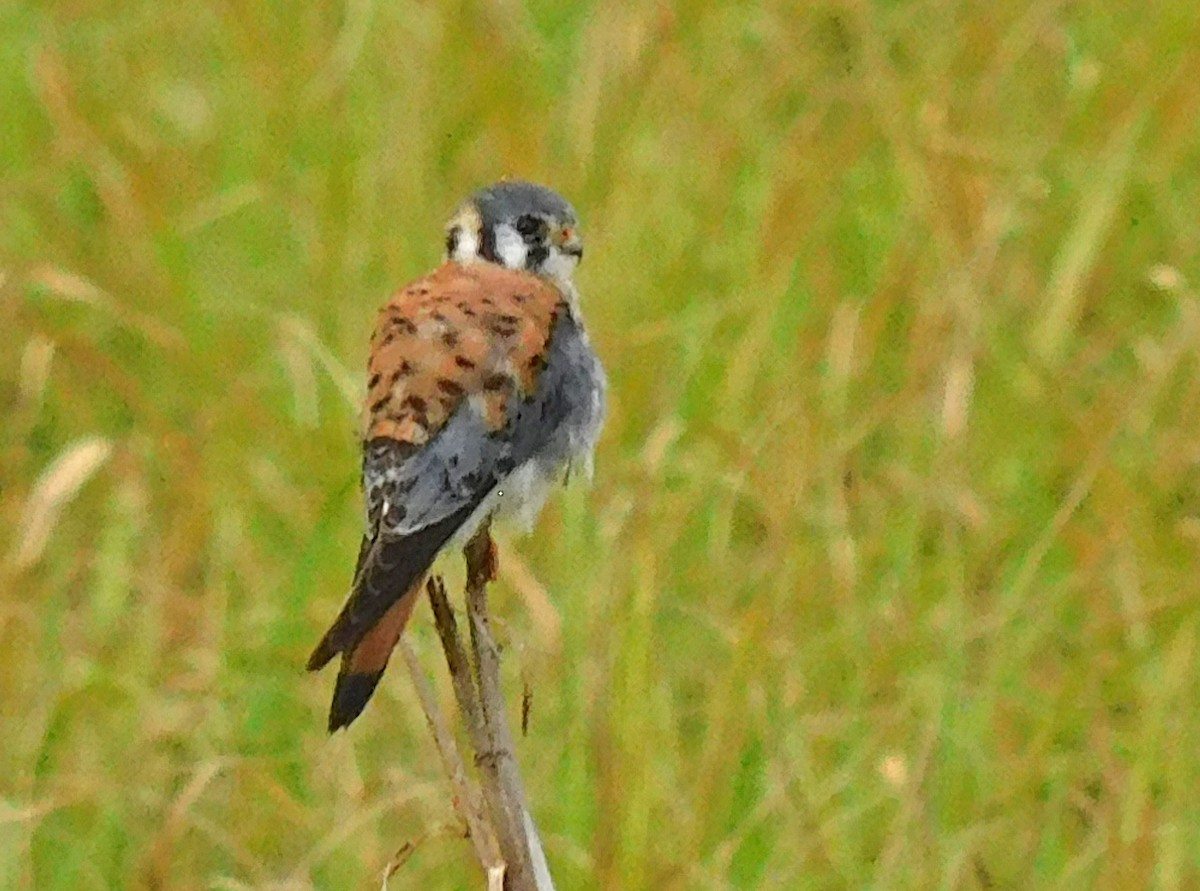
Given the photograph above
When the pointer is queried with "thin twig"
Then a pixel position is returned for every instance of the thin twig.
(457, 662)
(466, 799)
(410, 847)
(515, 830)
(506, 839)
(466, 692)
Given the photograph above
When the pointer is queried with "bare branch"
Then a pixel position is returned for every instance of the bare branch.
(466, 798)
(498, 763)
(457, 662)
(501, 828)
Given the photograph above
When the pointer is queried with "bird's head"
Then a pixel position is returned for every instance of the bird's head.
(519, 225)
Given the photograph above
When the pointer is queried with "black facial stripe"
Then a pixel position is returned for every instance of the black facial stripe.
(487, 244)
(537, 255)
(452, 240)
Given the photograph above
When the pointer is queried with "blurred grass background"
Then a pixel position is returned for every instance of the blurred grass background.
(888, 578)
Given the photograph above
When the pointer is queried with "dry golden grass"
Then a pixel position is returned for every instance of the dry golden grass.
(888, 579)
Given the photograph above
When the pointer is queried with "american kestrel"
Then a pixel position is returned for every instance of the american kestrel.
(482, 391)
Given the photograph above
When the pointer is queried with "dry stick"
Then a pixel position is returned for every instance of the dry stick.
(467, 694)
(406, 850)
(467, 697)
(466, 799)
(520, 843)
(456, 660)
(508, 825)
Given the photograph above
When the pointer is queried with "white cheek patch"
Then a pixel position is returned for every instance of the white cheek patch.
(466, 248)
(462, 233)
(511, 247)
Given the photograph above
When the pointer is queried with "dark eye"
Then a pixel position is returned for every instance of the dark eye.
(529, 225)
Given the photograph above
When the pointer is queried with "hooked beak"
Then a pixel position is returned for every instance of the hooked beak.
(571, 244)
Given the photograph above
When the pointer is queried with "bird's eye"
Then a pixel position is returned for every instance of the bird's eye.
(529, 224)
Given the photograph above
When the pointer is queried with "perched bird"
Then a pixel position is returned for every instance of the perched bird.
(482, 391)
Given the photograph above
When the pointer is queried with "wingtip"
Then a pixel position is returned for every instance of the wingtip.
(320, 657)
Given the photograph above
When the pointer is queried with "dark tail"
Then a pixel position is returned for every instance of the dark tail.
(387, 569)
(363, 666)
(387, 582)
